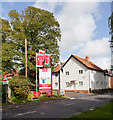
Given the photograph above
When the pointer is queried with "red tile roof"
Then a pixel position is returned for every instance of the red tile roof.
(57, 68)
(86, 62)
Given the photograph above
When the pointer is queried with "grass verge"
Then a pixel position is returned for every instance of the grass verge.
(15, 100)
(102, 112)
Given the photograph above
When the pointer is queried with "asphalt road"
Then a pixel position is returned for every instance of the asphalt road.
(76, 103)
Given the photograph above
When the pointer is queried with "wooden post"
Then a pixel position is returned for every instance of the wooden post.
(51, 83)
(58, 93)
(31, 95)
(26, 58)
(9, 93)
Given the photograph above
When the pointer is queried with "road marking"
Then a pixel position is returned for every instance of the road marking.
(71, 98)
(25, 113)
(69, 104)
(42, 113)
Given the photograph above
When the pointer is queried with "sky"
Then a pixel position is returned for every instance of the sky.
(84, 26)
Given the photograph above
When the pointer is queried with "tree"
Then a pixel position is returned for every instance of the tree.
(20, 86)
(8, 48)
(41, 30)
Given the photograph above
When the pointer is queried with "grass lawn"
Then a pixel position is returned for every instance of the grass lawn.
(105, 111)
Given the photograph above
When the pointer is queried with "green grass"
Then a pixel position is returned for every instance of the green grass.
(100, 112)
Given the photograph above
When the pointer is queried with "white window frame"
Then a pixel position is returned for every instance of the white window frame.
(56, 84)
(81, 83)
(67, 84)
(80, 71)
(67, 72)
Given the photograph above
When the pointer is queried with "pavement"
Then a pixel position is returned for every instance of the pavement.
(21, 105)
(60, 108)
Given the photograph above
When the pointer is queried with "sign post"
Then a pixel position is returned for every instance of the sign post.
(45, 75)
(5, 82)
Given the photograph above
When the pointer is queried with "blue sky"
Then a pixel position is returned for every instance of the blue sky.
(84, 27)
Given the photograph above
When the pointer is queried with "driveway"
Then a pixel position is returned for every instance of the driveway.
(91, 96)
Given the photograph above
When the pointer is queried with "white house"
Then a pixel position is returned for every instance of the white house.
(79, 75)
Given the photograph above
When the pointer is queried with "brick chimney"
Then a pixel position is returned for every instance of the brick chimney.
(87, 58)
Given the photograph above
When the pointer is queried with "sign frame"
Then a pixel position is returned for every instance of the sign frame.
(45, 80)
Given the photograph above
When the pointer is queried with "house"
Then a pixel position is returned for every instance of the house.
(79, 75)
(111, 82)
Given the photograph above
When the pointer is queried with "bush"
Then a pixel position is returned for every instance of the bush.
(20, 86)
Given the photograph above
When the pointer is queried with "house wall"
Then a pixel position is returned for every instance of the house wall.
(73, 66)
(55, 83)
(98, 80)
(89, 78)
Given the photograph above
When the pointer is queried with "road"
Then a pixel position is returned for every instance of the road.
(76, 103)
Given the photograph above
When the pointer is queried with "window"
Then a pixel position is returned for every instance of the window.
(80, 83)
(56, 84)
(97, 83)
(101, 83)
(56, 74)
(67, 72)
(67, 84)
(80, 71)
(91, 83)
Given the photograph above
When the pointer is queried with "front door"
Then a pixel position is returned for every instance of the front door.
(72, 85)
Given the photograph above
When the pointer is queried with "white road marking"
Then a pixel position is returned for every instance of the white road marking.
(42, 113)
(70, 98)
(25, 113)
(69, 104)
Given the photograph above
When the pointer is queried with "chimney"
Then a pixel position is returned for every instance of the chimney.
(87, 58)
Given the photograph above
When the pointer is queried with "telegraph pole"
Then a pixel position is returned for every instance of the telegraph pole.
(26, 58)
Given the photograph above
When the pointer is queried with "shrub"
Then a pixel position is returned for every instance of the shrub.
(20, 86)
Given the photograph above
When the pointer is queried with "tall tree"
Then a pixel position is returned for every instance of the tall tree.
(41, 30)
(8, 48)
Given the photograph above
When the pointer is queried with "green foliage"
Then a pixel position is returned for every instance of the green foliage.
(20, 86)
(3, 93)
(39, 28)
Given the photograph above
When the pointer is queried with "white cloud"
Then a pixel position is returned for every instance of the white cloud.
(78, 28)
(50, 6)
(77, 24)
(96, 48)
(103, 62)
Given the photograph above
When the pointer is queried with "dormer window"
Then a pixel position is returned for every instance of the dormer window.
(80, 71)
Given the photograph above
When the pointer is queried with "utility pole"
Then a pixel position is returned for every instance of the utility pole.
(26, 58)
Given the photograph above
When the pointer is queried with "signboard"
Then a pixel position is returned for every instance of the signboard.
(5, 80)
(45, 80)
(39, 60)
(62, 92)
(43, 53)
(45, 56)
(47, 59)
(37, 93)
